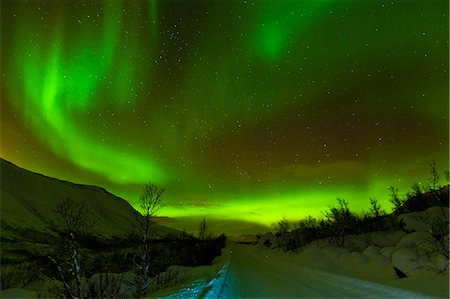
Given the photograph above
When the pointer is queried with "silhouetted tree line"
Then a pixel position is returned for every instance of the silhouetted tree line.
(189, 251)
(76, 254)
(339, 220)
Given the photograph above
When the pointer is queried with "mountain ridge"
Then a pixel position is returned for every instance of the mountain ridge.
(28, 201)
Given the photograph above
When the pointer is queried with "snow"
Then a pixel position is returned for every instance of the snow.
(262, 274)
(193, 282)
(258, 272)
(316, 271)
(421, 221)
(363, 268)
(203, 288)
(415, 255)
(29, 204)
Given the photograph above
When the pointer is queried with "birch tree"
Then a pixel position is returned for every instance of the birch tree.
(72, 224)
(151, 202)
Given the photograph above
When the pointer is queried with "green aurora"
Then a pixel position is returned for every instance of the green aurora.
(242, 110)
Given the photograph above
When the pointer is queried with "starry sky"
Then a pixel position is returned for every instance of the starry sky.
(245, 111)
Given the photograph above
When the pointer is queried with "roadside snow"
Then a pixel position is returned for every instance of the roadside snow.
(203, 288)
(256, 272)
(260, 273)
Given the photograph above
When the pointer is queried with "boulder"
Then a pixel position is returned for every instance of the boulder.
(413, 264)
(423, 221)
(419, 239)
(380, 239)
(419, 253)
(357, 258)
(372, 251)
(387, 251)
(386, 239)
(361, 265)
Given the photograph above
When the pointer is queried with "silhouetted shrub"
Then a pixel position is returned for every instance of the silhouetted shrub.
(396, 201)
(282, 233)
(340, 222)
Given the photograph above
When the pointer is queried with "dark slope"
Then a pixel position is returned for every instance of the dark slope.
(28, 201)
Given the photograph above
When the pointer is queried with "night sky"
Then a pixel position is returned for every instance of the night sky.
(242, 110)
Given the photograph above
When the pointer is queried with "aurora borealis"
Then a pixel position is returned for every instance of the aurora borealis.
(242, 110)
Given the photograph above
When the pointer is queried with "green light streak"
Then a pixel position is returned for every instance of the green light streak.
(234, 109)
(153, 13)
(59, 84)
(283, 23)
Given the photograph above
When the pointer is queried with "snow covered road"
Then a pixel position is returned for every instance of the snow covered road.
(255, 272)
(258, 273)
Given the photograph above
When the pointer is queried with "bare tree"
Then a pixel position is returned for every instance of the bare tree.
(72, 224)
(395, 199)
(282, 228)
(203, 230)
(151, 201)
(375, 207)
(340, 220)
(434, 175)
(417, 190)
(426, 252)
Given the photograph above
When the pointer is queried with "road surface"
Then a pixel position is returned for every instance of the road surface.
(252, 272)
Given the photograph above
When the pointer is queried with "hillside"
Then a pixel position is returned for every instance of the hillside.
(28, 201)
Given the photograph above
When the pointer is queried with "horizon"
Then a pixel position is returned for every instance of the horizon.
(234, 228)
(244, 112)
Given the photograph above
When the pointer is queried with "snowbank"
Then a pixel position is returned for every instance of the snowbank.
(421, 255)
(423, 221)
(195, 282)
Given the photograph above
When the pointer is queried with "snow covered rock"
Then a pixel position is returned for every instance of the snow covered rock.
(380, 239)
(357, 258)
(386, 239)
(387, 251)
(372, 251)
(338, 254)
(410, 263)
(422, 221)
(371, 265)
(419, 253)
(415, 239)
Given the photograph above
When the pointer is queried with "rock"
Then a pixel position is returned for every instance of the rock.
(406, 261)
(439, 263)
(336, 253)
(419, 253)
(422, 221)
(419, 239)
(268, 240)
(385, 239)
(372, 251)
(359, 258)
(387, 251)
(380, 239)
